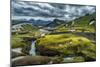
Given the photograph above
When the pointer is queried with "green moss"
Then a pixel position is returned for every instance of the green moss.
(62, 29)
(78, 59)
(17, 40)
(67, 44)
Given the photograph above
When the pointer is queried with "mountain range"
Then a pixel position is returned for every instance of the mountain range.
(84, 20)
(39, 22)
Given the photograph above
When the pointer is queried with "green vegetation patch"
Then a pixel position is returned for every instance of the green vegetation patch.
(17, 40)
(66, 45)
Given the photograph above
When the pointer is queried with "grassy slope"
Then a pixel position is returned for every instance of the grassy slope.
(80, 23)
(84, 20)
(17, 38)
(29, 27)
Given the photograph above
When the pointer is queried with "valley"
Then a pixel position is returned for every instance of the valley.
(57, 41)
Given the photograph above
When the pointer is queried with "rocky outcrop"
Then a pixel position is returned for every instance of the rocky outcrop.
(35, 60)
(30, 60)
(16, 54)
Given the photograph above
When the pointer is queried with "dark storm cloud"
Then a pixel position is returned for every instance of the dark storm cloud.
(38, 9)
(22, 8)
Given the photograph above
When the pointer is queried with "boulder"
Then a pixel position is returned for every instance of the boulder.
(30, 60)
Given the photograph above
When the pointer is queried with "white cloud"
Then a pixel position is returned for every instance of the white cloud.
(49, 10)
(35, 18)
(45, 5)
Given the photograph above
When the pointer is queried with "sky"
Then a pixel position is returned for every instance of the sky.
(48, 11)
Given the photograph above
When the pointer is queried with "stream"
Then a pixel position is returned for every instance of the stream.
(33, 48)
(32, 52)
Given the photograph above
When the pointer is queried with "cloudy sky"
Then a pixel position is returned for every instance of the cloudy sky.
(48, 11)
